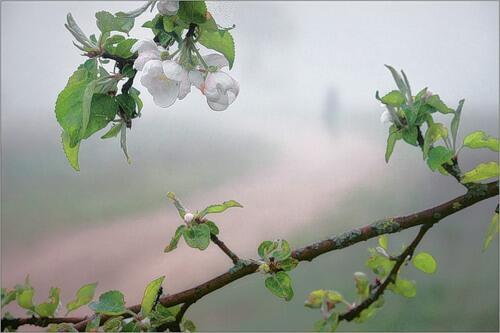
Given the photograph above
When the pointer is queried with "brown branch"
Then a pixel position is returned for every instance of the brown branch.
(42, 322)
(391, 278)
(234, 258)
(430, 216)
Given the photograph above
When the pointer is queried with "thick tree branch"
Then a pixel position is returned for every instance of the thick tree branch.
(430, 216)
(391, 278)
(42, 322)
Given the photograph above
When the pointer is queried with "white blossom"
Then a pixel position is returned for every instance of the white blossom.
(168, 7)
(162, 85)
(147, 50)
(219, 88)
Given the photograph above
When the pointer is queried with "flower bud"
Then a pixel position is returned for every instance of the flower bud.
(188, 217)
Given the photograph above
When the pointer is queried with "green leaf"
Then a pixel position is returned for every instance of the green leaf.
(480, 139)
(283, 250)
(383, 241)
(288, 264)
(127, 103)
(280, 285)
(394, 98)
(122, 49)
(265, 249)
(436, 102)
(177, 204)
(113, 324)
(113, 131)
(135, 95)
(434, 132)
(213, 228)
(107, 22)
(370, 311)
(25, 298)
(455, 122)
(103, 110)
(110, 303)
(394, 136)
(219, 208)
(220, 41)
(70, 152)
(49, 308)
(315, 299)
(403, 287)
(362, 284)
(438, 156)
(192, 11)
(62, 327)
(397, 78)
(481, 172)
(84, 295)
(69, 104)
(410, 135)
(425, 262)
(93, 325)
(493, 229)
(379, 264)
(175, 240)
(8, 296)
(123, 143)
(86, 102)
(163, 315)
(197, 236)
(188, 325)
(150, 296)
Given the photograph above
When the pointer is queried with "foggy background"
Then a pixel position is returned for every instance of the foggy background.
(301, 148)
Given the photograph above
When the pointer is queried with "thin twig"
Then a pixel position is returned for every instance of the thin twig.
(234, 258)
(391, 278)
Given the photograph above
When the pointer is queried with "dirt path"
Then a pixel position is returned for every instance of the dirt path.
(313, 172)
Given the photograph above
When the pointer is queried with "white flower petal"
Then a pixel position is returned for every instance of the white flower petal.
(216, 60)
(185, 85)
(144, 45)
(173, 70)
(221, 90)
(196, 79)
(163, 90)
(385, 117)
(168, 7)
(144, 57)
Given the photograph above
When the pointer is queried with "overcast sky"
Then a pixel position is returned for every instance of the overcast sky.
(289, 55)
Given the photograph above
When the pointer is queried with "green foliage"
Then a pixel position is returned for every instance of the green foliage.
(113, 324)
(62, 327)
(438, 156)
(383, 241)
(327, 325)
(403, 287)
(220, 41)
(8, 296)
(197, 236)
(150, 295)
(370, 311)
(113, 132)
(49, 308)
(434, 132)
(161, 315)
(394, 98)
(175, 240)
(192, 11)
(218, 208)
(493, 229)
(280, 285)
(425, 262)
(394, 136)
(279, 250)
(455, 122)
(435, 102)
(362, 285)
(481, 172)
(480, 139)
(24, 295)
(110, 303)
(180, 208)
(93, 325)
(107, 22)
(84, 295)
